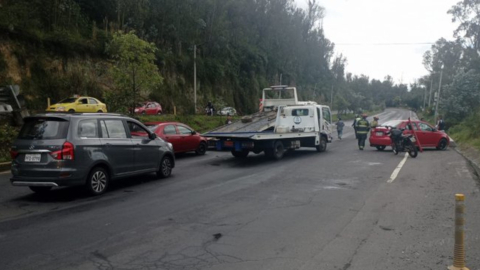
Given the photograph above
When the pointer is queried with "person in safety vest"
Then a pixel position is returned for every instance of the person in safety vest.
(354, 125)
(363, 126)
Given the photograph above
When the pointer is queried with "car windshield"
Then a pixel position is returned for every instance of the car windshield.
(41, 128)
(68, 100)
(392, 123)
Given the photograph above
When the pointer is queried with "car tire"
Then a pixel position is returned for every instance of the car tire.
(381, 147)
(99, 111)
(201, 149)
(442, 145)
(322, 147)
(98, 181)
(71, 111)
(159, 113)
(143, 113)
(166, 166)
(40, 190)
(240, 154)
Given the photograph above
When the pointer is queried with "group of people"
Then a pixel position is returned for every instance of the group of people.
(361, 127)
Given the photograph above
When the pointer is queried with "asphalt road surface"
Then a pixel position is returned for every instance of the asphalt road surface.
(331, 210)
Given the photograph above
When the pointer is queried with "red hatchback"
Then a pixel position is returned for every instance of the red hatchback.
(149, 108)
(182, 137)
(427, 135)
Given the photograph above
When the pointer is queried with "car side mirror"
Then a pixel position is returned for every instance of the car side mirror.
(152, 136)
(194, 132)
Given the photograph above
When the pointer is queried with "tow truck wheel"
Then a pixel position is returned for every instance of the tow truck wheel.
(240, 154)
(322, 146)
(278, 150)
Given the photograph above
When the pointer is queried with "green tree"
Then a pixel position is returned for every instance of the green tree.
(134, 72)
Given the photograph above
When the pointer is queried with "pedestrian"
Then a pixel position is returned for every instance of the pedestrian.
(354, 125)
(209, 109)
(229, 119)
(374, 122)
(440, 123)
(362, 130)
(340, 126)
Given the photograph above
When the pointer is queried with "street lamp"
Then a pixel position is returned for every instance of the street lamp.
(438, 96)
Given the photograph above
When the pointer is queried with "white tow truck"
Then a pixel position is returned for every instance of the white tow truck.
(281, 125)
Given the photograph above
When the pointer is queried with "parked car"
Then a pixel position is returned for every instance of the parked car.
(227, 111)
(150, 108)
(78, 104)
(54, 150)
(427, 135)
(182, 137)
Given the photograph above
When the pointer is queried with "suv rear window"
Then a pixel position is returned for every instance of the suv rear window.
(43, 129)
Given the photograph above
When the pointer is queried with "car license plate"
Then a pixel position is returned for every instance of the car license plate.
(228, 143)
(33, 157)
(379, 133)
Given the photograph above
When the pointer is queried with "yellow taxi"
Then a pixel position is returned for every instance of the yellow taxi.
(78, 104)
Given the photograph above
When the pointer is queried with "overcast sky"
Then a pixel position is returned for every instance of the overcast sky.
(384, 37)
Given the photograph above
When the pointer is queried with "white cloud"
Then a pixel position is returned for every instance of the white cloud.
(383, 37)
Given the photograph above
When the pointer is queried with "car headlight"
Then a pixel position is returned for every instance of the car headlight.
(170, 145)
(136, 110)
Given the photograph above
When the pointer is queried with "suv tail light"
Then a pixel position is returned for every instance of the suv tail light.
(67, 152)
(13, 154)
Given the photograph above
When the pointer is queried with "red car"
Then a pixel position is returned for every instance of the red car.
(149, 107)
(427, 135)
(182, 137)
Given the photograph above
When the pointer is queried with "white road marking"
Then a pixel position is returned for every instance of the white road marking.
(397, 170)
(5, 172)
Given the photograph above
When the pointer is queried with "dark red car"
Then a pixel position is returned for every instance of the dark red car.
(427, 135)
(149, 107)
(182, 137)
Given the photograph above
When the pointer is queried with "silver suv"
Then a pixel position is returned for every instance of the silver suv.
(88, 149)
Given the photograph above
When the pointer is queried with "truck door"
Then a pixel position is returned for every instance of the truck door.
(327, 117)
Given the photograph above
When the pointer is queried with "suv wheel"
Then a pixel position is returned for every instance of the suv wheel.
(201, 149)
(40, 190)
(97, 182)
(71, 111)
(165, 167)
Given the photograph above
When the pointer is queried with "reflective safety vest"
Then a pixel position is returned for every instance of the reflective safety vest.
(374, 124)
(362, 126)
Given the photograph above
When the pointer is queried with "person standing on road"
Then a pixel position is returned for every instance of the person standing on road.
(440, 123)
(354, 125)
(362, 130)
(340, 126)
(374, 122)
(229, 119)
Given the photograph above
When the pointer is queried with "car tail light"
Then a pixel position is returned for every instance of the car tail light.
(13, 154)
(67, 152)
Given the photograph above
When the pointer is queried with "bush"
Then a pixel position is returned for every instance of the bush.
(7, 136)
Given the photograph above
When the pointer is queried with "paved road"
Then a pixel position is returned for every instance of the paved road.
(332, 210)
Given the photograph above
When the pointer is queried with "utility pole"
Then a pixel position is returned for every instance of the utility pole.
(195, 77)
(438, 96)
(431, 86)
(331, 98)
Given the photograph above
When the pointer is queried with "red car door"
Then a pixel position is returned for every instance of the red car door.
(189, 139)
(169, 133)
(150, 107)
(426, 134)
